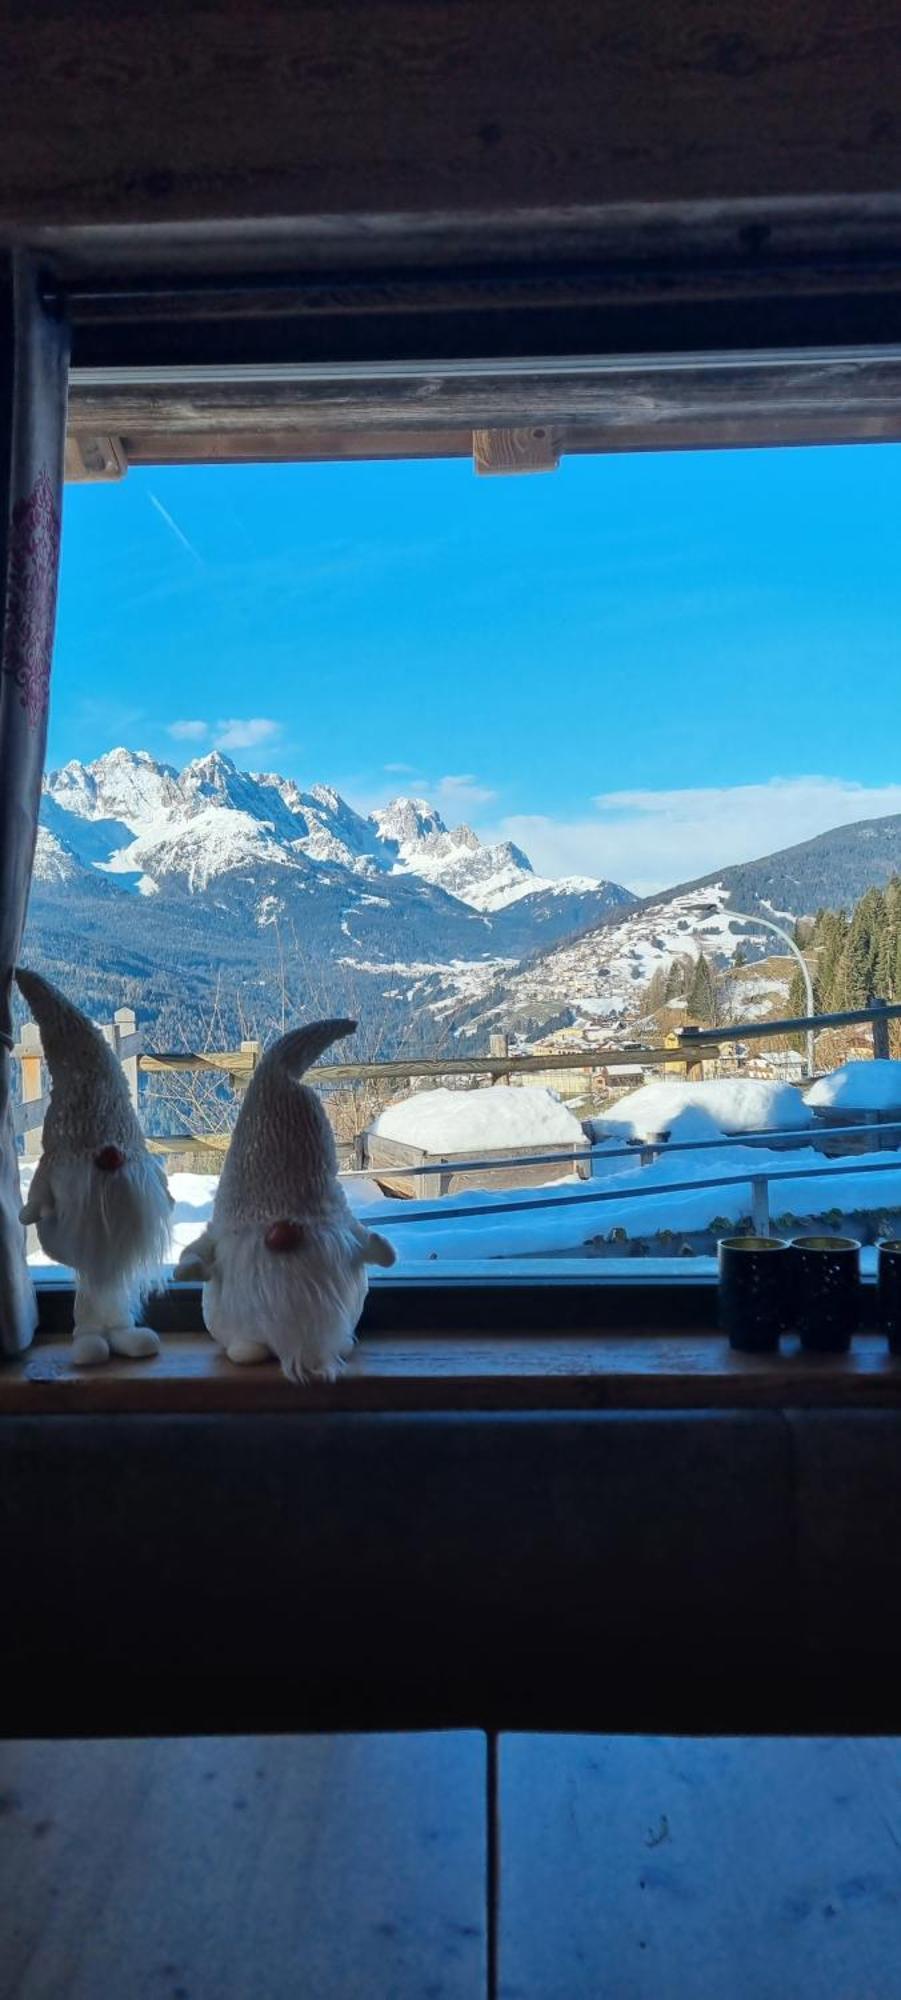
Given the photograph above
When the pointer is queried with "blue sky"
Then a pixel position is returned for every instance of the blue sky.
(635, 666)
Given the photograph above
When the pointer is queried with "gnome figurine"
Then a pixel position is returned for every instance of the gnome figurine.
(283, 1258)
(98, 1198)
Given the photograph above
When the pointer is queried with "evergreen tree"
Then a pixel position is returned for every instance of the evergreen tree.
(655, 992)
(857, 980)
(889, 972)
(675, 981)
(739, 957)
(797, 998)
(701, 997)
(830, 938)
(797, 1008)
(884, 962)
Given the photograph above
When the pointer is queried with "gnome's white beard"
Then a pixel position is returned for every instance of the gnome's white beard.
(109, 1226)
(113, 1228)
(307, 1304)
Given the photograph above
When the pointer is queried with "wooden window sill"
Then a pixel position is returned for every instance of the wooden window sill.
(617, 1370)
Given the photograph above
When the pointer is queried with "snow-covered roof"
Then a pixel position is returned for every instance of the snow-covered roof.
(471, 1121)
(859, 1086)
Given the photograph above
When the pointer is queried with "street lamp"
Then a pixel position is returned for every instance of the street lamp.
(766, 924)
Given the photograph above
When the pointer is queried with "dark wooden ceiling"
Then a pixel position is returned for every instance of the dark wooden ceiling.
(354, 116)
(431, 180)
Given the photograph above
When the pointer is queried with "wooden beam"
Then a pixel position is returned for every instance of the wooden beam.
(91, 458)
(238, 1064)
(242, 447)
(604, 396)
(532, 448)
(610, 405)
(245, 447)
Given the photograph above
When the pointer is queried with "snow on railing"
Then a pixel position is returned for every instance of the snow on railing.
(759, 1184)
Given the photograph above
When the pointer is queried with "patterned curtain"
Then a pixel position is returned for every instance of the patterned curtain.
(34, 354)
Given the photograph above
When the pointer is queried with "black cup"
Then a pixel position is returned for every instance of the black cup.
(754, 1291)
(888, 1268)
(827, 1292)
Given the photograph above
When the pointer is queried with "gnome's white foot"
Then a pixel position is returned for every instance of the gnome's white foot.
(89, 1350)
(137, 1342)
(103, 1323)
(246, 1353)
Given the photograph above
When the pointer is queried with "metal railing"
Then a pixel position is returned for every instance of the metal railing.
(643, 1151)
(759, 1185)
(874, 1015)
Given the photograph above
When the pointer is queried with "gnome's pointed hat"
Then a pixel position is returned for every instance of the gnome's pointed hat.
(90, 1104)
(282, 1153)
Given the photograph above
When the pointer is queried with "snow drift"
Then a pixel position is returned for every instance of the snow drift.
(735, 1104)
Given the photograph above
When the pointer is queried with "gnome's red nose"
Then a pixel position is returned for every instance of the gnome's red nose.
(283, 1236)
(109, 1159)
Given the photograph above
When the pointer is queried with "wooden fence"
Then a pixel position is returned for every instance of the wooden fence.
(124, 1037)
(685, 1052)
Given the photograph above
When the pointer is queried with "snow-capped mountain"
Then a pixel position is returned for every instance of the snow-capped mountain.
(218, 888)
(184, 878)
(487, 877)
(147, 820)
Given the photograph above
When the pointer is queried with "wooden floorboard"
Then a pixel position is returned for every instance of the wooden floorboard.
(609, 1369)
(674, 1869)
(243, 1869)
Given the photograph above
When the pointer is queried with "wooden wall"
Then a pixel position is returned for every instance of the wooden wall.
(735, 1571)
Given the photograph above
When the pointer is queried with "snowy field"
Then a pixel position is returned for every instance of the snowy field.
(565, 1219)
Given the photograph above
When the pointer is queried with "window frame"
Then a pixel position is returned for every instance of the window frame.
(177, 371)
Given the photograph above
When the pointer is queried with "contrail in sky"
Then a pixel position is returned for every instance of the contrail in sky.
(176, 530)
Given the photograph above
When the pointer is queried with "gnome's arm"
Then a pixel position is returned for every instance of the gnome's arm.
(40, 1204)
(161, 1177)
(375, 1249)
(197, 1259)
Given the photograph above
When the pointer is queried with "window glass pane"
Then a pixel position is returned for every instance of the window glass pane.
(528, 772)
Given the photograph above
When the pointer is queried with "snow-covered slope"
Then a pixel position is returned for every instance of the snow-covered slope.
(212, 843)
(599, 975)
(54, 861)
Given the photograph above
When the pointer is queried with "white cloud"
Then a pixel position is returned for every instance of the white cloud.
(456, 795)
(461, 793)
(652, 839)
(238, 734)
(188, 732)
